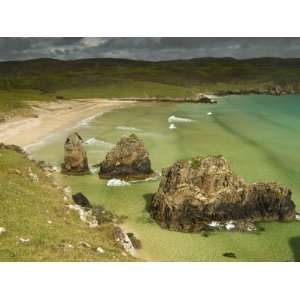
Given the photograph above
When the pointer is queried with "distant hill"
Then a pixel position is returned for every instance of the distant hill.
(47, 78)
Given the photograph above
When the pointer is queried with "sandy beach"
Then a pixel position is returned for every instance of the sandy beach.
(51, 117)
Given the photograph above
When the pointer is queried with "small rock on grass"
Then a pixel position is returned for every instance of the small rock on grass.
(24, 240)
(84, 244)
(2, 230)
(229, 255)
(100, 250)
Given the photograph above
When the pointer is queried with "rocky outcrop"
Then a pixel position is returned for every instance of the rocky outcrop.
(75, 161)
(127, 160)
(205, 99)
(194, 193)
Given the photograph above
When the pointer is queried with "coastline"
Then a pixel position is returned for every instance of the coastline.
(51, 117)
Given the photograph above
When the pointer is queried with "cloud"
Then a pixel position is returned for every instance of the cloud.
(146, 48)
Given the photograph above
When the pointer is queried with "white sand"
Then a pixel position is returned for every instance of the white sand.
(53, 117)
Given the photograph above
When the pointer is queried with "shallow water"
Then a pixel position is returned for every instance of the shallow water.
(259, 135)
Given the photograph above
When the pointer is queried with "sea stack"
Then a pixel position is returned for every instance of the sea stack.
(193, 193)
(75, 161)
(127, 160)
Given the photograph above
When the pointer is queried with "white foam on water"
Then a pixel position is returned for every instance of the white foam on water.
(117, 182)
(93, 141)
(173, 119)
(94, 170)
(125, 128)
(230, 225)
(86, 121)
(154, 178)
(172, 126)
(214, 224)
(90, 141)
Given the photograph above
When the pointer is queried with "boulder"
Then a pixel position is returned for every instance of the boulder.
(127, 160)
(194, 193)
(75, 161)
(81, 200)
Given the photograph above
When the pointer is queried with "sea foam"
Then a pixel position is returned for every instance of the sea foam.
(173, 119)
(125, 128)
(117, 182)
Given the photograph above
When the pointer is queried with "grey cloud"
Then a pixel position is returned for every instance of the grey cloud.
(146, 48)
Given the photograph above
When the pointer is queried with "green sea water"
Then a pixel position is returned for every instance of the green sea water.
(259, 135)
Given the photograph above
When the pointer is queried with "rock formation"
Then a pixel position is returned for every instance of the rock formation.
(193, 193)
(75, 161)
(128, 159)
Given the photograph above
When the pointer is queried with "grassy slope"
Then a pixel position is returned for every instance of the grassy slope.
(26, 208)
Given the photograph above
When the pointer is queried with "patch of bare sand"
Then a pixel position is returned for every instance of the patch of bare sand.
(53, 117)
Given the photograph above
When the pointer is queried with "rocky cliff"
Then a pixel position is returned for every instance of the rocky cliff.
(128, 159)
(193, 193)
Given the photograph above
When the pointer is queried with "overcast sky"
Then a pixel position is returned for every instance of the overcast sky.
(147, 48)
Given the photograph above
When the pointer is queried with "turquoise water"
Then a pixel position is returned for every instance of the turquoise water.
(259, 135)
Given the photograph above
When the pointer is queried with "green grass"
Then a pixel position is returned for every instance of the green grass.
(26, 207)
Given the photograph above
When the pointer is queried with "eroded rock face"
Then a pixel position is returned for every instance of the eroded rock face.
(75, 161)
(193, 193)
(128, 159)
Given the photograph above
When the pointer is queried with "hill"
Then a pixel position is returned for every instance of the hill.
(44, 79)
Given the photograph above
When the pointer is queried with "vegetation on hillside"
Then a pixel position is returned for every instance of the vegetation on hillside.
(37, 226)
(45, 79)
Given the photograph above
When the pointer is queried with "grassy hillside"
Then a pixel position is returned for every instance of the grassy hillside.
(46, 78)
(36, 211)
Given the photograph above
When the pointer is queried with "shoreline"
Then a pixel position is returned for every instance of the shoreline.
(53, 117)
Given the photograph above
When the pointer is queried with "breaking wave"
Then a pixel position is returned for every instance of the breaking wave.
(117, 183)
(129, 128)
(94, 141)
(173, 119)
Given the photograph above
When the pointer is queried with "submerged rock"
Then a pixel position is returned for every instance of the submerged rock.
(76, 162)
(194, 194)
(128, 159)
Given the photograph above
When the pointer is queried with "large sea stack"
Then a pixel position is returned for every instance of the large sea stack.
(75, 161)
(127, 160)
(193, 193)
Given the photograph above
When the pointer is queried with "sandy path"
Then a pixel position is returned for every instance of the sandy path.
(53, 117)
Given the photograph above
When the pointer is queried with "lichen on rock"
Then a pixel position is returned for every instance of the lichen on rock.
(194, 193)
(127, 160)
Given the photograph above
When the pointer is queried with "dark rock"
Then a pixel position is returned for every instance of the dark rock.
(205, 99)
(102, 215)
(137, 244)
(127, 160)
(81, 200)
(193, 193)
(229, 255)
(75, 161)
